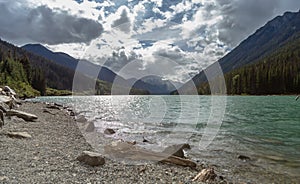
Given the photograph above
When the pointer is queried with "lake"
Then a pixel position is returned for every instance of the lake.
(218, 128)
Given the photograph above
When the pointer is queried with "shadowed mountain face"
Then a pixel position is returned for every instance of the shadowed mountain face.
(65, 60)
(263, 42)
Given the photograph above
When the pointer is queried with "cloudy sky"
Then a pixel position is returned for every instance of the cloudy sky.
(170, 38)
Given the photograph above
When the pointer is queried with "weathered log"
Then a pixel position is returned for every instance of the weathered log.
(180, 161)
(19, 135)
(124, 150)
(23, 115)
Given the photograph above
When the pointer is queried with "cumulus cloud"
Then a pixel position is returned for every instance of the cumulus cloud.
(180, 37)
(123, 22)
(44, 25)
(119, 58)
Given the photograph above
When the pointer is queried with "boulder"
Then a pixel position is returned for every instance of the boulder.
(91, 158)
(47, 111)
(206, 175)
(177, 150)
(145, 140)
(72, 113)
(19, 135)
(52, 106)
(58, 105)
(109, 131)
(243, 158)
(23, 115)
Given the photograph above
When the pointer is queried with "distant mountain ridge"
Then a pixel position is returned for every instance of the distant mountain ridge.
(264, 41)
(58, 57)
(153, 84)
(67, 61)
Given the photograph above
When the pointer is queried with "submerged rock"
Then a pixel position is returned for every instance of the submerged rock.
(23, 115)
(81, 119)
(109, 131)
(206, 175)
(19, 135)
(90, 127)
(91, 158)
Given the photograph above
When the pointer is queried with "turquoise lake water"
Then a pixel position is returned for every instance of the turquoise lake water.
(264, 128)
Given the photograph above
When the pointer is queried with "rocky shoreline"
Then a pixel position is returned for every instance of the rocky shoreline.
(46, 150)
(49, 143)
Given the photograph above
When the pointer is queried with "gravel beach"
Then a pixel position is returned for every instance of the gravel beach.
(50, 155)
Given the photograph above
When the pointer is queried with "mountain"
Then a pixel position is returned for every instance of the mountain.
(153, 84)
(59, 57)
(66, 60)
(277, 73)
(25, 70)
(264, 42)
(57, 76)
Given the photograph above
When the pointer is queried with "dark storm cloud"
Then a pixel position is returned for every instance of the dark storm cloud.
(123, 23)
(44, 25)
(242, 18)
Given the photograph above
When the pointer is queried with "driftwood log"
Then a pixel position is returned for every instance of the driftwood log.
(124, 150)
(23, 115)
